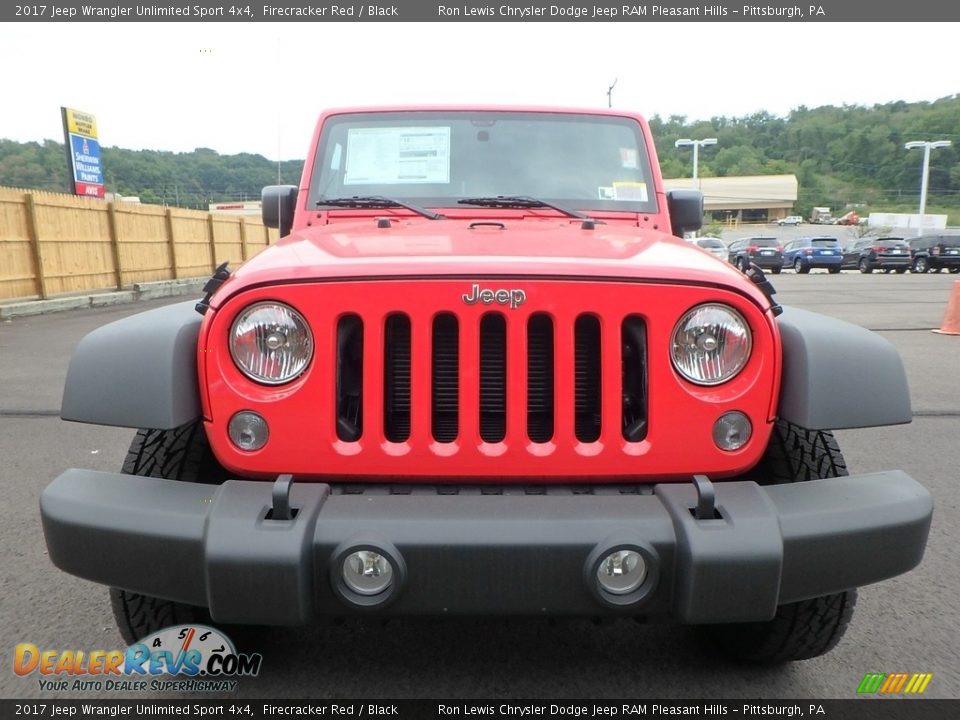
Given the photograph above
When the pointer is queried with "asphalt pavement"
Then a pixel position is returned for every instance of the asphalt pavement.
(908, 624)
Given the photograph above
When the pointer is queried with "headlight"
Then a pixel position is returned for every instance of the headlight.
(710, 344)
(271, 343)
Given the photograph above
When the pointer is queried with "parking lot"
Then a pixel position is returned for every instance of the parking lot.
(908, 624)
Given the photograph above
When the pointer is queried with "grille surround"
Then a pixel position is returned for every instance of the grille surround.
(303, 416)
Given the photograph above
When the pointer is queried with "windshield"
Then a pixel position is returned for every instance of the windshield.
(435, 159)
(764, 242)
(825, 242)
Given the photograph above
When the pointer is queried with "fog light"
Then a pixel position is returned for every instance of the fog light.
(621, 572)
(732, 431)
(367, 572)
(248, 431)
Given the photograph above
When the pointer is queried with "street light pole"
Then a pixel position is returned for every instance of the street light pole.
(924, 178)
(696, 144)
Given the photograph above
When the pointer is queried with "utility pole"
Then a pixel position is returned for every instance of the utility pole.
(610, 93)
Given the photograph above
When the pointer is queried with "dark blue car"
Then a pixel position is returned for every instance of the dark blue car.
(806, 253)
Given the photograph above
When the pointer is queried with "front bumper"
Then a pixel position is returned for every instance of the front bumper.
(519, 551)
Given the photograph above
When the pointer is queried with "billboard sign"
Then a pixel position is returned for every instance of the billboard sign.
(83, 152)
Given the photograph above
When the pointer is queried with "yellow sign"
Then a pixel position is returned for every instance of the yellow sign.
(81, 123)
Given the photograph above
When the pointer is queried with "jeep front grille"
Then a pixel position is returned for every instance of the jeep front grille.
(558, 365)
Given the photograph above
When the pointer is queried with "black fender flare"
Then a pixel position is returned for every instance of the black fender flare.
(837, 375)
(138, 372)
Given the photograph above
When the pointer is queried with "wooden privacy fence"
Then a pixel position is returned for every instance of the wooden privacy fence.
(52, 244)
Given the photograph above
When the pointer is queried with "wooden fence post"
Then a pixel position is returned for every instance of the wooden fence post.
(40, 279)
(243, 239)
(213, 243)
(171, 244)
(115, 244)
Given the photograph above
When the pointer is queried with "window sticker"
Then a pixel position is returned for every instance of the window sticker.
(635, 191)
(605, 192)
(628, 158)
(394, 156)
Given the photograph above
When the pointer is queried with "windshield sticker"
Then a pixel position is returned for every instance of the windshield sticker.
(337, 154)
(394, 156)
(628, 158)
(634, 191)
(605, 192)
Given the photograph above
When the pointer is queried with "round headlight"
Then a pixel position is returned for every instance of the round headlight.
(271, 343)
(710, 344)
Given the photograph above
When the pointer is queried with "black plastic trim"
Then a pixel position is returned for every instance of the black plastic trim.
(484, 553)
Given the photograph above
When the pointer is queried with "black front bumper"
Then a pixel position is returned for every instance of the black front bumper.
(516, 552)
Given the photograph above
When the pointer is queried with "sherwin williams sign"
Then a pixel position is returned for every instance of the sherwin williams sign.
(83, 152)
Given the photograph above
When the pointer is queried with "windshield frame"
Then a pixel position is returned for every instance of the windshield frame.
(324, 181)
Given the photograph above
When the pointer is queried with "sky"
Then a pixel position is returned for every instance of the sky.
(259, 87)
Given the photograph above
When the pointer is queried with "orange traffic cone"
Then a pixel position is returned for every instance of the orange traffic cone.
(951, 319)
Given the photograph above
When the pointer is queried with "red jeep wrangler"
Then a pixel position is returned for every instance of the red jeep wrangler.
(480, 374)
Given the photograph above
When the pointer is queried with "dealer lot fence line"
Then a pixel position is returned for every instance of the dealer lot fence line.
(56, 245)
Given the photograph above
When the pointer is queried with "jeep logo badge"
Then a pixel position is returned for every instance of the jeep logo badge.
(514, 297)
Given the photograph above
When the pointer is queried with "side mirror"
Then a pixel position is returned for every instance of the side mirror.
(278, 203)
(686, 211)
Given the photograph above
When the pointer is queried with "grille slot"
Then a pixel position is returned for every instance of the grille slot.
(349, 399)
(540, 378)
(587, 385)
(633, 355)
(445, 391)
(396, 378)
(493, 378)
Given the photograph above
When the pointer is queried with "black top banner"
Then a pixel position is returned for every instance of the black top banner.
(853, 11)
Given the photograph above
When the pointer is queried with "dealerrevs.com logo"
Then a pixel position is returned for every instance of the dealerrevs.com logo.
(199, 659)
(894, 683)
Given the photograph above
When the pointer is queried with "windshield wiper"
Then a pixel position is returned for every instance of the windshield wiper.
(378, 201)
(520, 201)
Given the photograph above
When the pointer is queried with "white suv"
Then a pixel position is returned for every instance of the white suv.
(790, 220)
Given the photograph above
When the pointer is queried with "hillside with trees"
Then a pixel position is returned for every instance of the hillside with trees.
(842, 156)
(188, 180)
(850, 156)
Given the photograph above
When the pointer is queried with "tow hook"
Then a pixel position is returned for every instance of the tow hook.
(281, 509)
(706, 499)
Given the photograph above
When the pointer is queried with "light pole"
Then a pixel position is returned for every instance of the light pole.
(697, 144)
(927, 146)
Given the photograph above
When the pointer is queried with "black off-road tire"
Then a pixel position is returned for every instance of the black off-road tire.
(809, 628)
(180, 454)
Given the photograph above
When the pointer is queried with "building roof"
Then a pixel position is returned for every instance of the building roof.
(741, 192)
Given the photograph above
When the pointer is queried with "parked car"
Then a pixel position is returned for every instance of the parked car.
(790, 220)
(935, 252)
(807, 253)
(766, 252)
(714, 246)
(869, 254)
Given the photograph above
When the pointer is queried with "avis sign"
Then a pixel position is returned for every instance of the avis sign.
(83, 152)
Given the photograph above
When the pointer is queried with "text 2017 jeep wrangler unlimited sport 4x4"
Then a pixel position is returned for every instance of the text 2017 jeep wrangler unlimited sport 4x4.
(479, 374)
